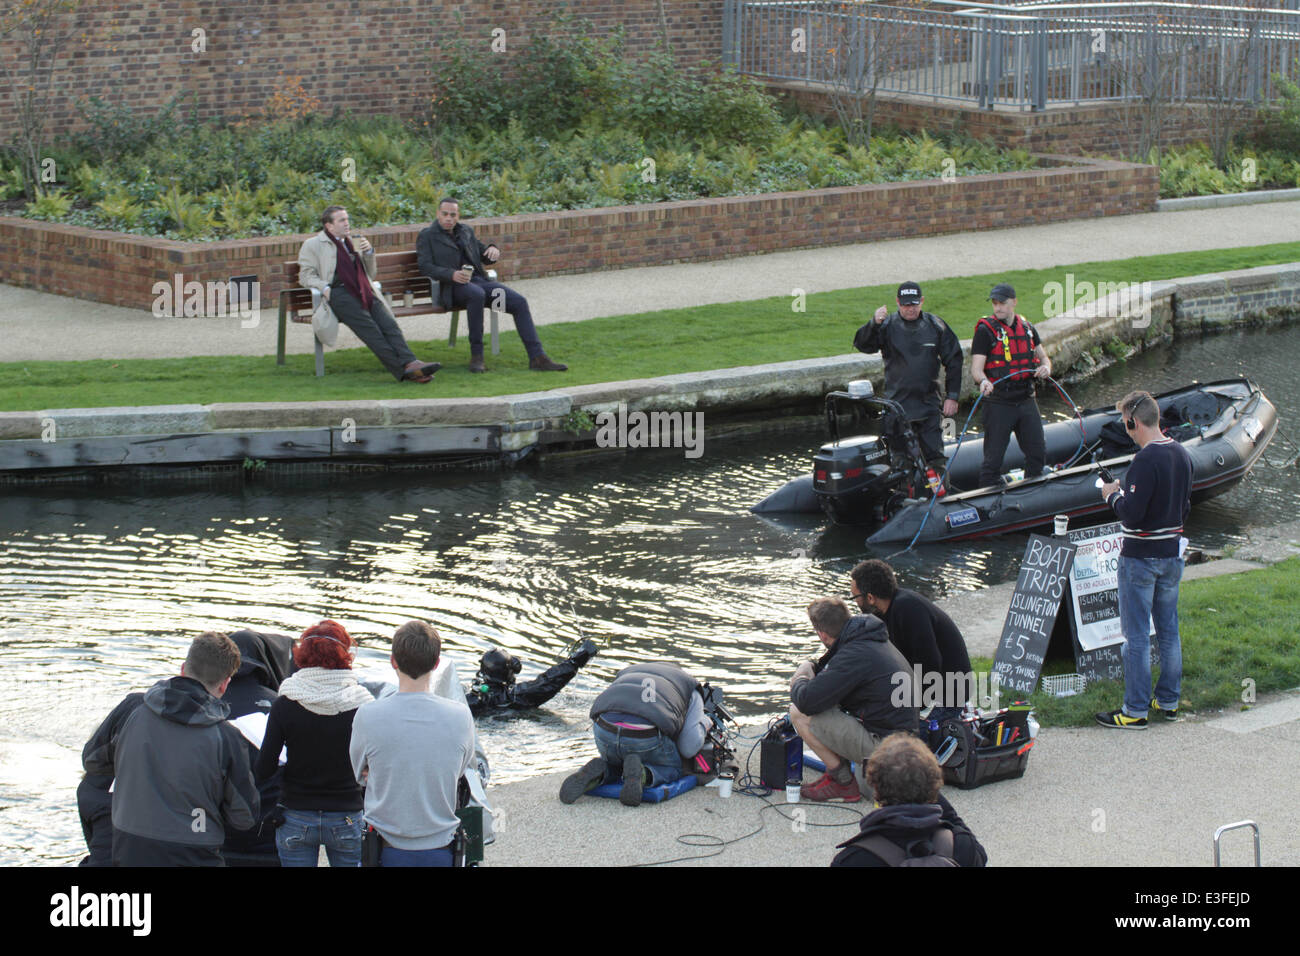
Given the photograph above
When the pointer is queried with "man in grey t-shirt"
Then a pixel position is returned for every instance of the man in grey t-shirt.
(410, 750)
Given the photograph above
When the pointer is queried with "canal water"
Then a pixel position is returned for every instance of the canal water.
(653, 556)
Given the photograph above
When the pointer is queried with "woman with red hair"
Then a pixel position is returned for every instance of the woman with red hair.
(312, 721)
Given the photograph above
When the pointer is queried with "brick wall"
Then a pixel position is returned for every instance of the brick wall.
(139, 53)
(1101, 129)
(121, 270)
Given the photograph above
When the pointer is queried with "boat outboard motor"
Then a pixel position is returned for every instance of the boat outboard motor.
(494, 687)
(869, 476)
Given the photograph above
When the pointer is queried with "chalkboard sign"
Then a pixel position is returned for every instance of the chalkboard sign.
(1094, 601)
(1044, 572)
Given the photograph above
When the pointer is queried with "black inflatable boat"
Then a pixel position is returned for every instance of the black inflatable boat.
(878, 481)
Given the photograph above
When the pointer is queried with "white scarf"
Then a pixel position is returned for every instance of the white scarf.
(325, 691)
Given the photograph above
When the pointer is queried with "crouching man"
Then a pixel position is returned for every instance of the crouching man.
(645, 724)
(843, 705)
(409, 750)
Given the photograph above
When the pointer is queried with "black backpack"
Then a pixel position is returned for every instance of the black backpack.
(940, 844)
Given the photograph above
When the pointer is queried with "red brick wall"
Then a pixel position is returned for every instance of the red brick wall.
(140, 53)
(110, 267)
(1102, 129)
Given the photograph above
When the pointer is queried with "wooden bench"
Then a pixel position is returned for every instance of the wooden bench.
(398, 279)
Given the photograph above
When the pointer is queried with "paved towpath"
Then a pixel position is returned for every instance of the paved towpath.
(1090, 796)
(36, 325)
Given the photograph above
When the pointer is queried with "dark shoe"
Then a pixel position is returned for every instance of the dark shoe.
(633, 782)
(1168, 715)
(476, 363)
(586, 779)
(826, 789)
(543, 363)
(418, 371)
(1121, 721)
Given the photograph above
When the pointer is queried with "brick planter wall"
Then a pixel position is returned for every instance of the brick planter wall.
(1104, 128)
(121, 270)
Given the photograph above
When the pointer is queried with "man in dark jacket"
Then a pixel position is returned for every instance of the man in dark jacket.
(452, 256)
(846, 703)
(923, 633)
(914, 820)
(914, 345)
(265, 660)
(646, 723)
(181, 771)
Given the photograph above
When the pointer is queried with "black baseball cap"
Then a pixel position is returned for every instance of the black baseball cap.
(1001, 292)
(909, 293)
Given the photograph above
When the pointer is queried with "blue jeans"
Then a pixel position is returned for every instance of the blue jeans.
(471, 296)
(391, 856)
(303, 832)
(659, 754)
(1148, 592)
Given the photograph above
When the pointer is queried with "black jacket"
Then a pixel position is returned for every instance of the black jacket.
(913, 353)
(865, 675)
(181, 770)
(441, 255)
(908, 822)
(927, 637)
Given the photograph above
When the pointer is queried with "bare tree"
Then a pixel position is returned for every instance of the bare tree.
(1233, 58)
(41, 30)
(865, 42)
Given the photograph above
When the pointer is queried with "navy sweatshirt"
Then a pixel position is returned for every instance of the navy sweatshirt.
(1153, 501)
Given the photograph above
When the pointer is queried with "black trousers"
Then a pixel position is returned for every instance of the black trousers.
(1000, 420)
(929, 433)
(376, 327)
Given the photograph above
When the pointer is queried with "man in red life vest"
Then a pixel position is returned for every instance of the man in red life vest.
(1006, 357)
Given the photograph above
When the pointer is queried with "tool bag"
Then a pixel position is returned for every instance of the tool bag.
(987, 748)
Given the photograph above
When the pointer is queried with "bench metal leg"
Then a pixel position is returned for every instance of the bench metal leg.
(279, 337)
(455, 323)
(496, 341)
(320, 357)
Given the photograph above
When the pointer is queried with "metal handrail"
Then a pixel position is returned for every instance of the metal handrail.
(1015, 54)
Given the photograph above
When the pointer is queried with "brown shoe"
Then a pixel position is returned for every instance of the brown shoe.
(544, 363)
(420, 372)
(476, 363)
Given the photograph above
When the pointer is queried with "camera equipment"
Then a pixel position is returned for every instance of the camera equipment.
(780, 755)
(718, 735)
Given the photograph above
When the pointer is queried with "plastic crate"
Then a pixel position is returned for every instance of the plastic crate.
(1065, 685)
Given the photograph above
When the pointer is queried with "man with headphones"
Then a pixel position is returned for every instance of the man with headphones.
(1152, 503)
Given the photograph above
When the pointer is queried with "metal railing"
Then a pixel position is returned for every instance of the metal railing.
(1029, 56)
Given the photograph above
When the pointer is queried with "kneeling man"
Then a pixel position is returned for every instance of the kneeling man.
(844, 704)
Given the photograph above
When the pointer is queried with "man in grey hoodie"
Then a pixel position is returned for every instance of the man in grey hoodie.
(181, 771)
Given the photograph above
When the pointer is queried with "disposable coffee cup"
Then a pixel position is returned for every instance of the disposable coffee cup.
(1062, 524)
(792, 788)
(725, 780)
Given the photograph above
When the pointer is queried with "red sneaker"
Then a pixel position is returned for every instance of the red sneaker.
(826, 789)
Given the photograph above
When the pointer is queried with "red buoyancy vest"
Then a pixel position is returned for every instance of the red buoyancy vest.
(1012, 350)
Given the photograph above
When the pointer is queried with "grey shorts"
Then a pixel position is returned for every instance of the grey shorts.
(844, 734)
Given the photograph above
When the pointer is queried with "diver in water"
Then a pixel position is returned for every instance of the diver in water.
(494, 687)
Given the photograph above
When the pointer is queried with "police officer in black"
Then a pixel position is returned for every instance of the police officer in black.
(1006, 358)
(914, 344)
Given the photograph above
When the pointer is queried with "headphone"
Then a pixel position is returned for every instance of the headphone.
(1129, 421)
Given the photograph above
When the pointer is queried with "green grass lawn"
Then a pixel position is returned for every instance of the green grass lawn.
(1234, 628)
(597, 350)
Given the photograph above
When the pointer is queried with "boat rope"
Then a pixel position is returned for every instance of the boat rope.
(1290, 461)
(1083, 435)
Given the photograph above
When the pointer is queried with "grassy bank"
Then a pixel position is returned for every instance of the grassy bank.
(1234, 628)
(598, 350)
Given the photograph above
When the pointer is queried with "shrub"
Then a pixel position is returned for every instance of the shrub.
(48, 205)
